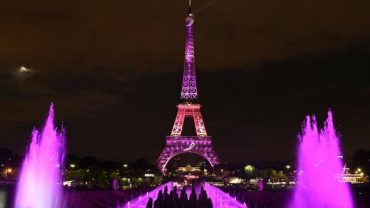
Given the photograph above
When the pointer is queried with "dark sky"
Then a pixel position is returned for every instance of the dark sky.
(113, 69)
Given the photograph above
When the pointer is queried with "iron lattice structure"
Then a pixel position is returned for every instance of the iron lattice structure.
(191, 110)
(189, 82)
(176, 144)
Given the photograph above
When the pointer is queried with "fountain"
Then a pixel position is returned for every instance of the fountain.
(40, 180)
(219, 198)
(319, 166)
(142, 200)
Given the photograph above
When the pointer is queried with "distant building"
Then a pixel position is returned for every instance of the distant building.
(353, 178)
(189, 169)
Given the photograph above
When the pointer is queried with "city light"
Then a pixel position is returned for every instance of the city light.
(235, 180)
(67, 183)
(72, 165)
(249, 169)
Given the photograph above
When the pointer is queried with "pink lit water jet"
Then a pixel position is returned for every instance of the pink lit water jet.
(318, 168)
(40, 179)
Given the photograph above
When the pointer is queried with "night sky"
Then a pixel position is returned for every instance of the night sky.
(113, 70)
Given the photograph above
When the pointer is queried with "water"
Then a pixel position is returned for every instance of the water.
(3, 197)
(319, 167)
(219, 198)
(40, 181)
(141, 201)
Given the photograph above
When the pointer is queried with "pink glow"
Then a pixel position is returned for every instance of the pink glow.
(141, 201)
(189, 84)
(318, 167)
(221, 199)
(189, 110)
(177, 144)
(40, 180)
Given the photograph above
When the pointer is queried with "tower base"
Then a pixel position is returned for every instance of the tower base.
(176, 145)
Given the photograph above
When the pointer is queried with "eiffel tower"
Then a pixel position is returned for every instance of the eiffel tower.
(176, 144)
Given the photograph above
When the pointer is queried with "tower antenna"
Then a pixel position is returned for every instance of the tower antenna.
(189, 6)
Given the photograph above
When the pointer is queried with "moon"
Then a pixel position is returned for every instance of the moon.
(22, 73)
(23, 69)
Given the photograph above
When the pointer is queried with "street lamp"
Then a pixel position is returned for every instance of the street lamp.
(7, 172)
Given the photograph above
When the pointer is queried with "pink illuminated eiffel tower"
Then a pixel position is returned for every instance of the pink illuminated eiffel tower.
(176, 144)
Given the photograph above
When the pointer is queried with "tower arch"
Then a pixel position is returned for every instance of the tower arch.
(181, 145)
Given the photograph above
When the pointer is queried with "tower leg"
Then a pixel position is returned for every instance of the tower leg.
(199, 124)
(179, 122)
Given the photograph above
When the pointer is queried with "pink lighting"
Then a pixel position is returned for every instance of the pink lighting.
(40, 180)
(189, 83)
(141, 201)
(318, 166)
(176, 143)
(221, 199)
(191, 110)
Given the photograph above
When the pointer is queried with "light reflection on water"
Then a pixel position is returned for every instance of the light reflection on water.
(3, 195)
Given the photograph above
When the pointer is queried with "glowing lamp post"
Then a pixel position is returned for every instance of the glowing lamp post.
(7, 172)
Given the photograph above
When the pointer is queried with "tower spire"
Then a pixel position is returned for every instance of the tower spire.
(189, 90)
